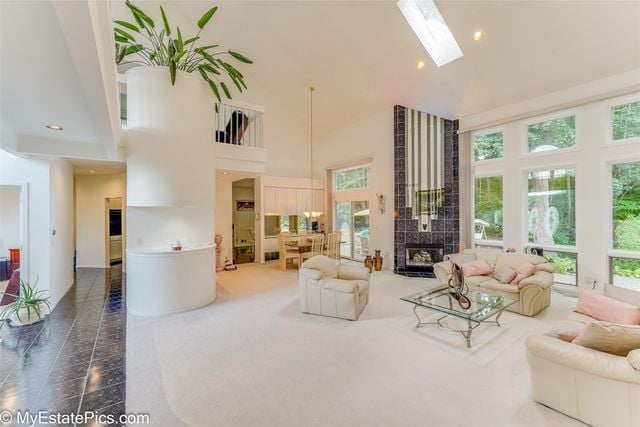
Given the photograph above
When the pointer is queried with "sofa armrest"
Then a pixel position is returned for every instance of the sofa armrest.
(634, 359)
(443, 271)
(584, 359)
(542, 279)
(353, 272)
(309, 273)
(339, 285)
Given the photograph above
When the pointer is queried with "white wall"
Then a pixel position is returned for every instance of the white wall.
(90, 193)
(9, 218)
(61, 214)
(224, 214)
(368, 139)
(591, 158)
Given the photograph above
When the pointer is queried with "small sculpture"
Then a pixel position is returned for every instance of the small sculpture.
(381, 204)
(176, 246)
(219, 264)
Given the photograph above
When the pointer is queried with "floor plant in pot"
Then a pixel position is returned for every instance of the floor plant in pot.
(28, 308)
(147, 44)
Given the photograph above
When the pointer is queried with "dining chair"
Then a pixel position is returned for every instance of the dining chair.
(285, 253)
(317, 243)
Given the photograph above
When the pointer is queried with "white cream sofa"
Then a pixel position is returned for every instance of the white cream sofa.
(597, 388)
(534, 292)
(332, 289)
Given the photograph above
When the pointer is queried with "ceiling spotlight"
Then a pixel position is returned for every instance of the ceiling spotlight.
(478, 35)
(92, 171)
(225, 173)
(54, 127)
(420, 65)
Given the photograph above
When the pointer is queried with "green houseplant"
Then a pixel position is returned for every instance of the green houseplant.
(27, 307)
(165, 48)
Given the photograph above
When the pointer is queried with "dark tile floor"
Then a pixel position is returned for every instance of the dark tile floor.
(75, 360)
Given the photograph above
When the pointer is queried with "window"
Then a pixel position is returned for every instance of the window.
(565, 265)
(488, 146)
(625, 121)
(488, 208)
(349, 179)
(552, 134)
(625, 272)
(352, 219)
(551, 207)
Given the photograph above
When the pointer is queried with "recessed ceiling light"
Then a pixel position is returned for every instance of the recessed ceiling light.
(428, 24)
(225, 173)
(420, 65)
(54, 127)
(92, 171)
(478, 35)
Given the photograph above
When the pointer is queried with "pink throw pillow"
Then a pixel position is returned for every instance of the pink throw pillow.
(607, 309)
(478, 267)
(523, 271)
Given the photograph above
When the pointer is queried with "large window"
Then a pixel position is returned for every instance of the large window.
(552, 134)
(350, 179)
(625, 203)
(488, 209)
(552, 207)
(625, 121)
(488, 146)
(565, 266)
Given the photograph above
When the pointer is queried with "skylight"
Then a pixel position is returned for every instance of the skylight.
(426, 21)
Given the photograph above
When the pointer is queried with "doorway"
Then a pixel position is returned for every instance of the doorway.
(114, 230)
(13, 226)
(243, 226)
(352, 219)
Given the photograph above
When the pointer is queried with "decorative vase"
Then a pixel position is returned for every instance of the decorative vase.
(26, 317)
(219, 263)
(176, 246)
(377, 260)
(368, 262)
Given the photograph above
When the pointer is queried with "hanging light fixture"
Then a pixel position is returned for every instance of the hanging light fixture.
(312, 213)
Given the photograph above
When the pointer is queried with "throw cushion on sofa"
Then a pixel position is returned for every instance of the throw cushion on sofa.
(504, 274)
(607, 309)
(621, 294)
(462, 258)
(566, 330)
(612, 339)
(322, 263)
(478, 267)
(634, 358)
(523, 271)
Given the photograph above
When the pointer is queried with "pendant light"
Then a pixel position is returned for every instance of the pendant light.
(312, 213)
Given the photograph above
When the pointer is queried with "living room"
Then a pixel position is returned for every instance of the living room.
(406, 212)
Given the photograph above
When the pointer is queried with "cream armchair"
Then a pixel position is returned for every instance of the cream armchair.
(597, 388)
(332, 289)
(533, 293)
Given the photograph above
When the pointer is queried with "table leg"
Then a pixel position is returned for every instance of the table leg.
(468, 335)
(498, 318)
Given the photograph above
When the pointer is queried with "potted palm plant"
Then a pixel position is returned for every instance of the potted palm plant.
(144, 43)
(28, 306)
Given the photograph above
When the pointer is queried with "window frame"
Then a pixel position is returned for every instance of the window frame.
(525, 206)
(608, 128)
(575, 112)
(485, 242)
(361, 166)
(483, 132)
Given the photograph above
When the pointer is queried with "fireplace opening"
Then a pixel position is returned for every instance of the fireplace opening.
(422, 257)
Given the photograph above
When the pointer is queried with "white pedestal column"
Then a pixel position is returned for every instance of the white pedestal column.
(170, 189)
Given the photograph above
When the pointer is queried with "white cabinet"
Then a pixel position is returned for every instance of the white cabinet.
(292, 201)
(270, 200)
(318, 201)
(304, 200)
(281, 201)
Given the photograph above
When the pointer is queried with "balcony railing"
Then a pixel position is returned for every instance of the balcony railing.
(239, 124)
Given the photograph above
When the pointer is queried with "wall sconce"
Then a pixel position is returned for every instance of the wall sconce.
(381, 204)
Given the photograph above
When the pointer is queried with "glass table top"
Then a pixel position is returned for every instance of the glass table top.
(484, 304)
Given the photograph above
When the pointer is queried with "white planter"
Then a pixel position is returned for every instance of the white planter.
(23, 317)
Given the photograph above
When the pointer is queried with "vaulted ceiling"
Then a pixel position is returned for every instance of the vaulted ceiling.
(360, 55)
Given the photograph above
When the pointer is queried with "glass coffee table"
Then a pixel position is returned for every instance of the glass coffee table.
(484, 305)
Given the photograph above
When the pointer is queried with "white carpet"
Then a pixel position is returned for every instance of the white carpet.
(253, 358)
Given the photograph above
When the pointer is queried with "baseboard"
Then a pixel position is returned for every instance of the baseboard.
(92, 266)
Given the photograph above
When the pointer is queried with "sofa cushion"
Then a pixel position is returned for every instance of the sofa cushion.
(524, 270)
(607, 309)
(489, 255)
(322, 263)
(612, 339)
(462, 258)
(634, 358)
(478, 267)
(621, 294)
(515, 260)
(566, 330)
(504, 274)
(491, 283)
(339, 285)
(353, 272)
(476, 281)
